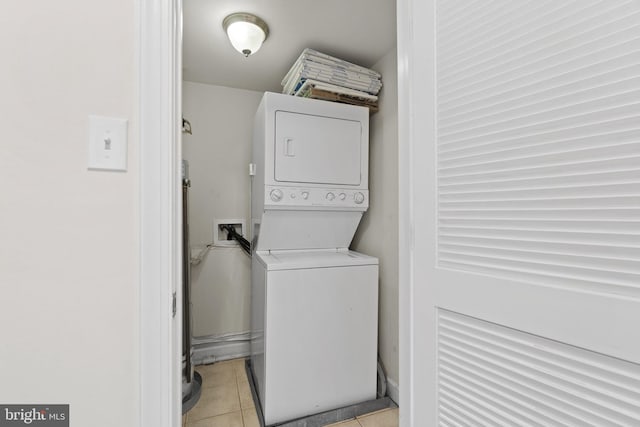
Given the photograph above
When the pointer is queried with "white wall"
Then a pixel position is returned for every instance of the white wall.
(378, 232)
(69, 236)
(219, 151)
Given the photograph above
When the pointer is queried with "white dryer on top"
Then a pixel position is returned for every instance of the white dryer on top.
(311, 162)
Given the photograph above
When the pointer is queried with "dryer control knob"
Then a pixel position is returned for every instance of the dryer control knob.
(305, 195)
(342, 196)
(330, 196)
(358, 198)
(276, 195)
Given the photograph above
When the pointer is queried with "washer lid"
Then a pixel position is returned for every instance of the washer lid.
(294, 260)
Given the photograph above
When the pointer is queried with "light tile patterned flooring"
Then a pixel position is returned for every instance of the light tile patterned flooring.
(383, 418)
(226, 401)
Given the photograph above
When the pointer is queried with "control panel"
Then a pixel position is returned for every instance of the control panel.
(309, 198)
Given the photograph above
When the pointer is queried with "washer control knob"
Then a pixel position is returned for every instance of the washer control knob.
(358, 197)
(342, 196)
(305, 195)
(276, 195)
(330, 196)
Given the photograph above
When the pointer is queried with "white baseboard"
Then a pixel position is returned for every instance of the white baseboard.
(215, 352)
(393, 391)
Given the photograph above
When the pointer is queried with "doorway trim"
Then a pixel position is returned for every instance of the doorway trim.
(406, 145)
(159, 99)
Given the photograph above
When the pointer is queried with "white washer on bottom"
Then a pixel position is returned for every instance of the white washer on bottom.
(314, 331)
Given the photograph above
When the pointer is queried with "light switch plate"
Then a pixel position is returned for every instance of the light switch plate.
(107, 143)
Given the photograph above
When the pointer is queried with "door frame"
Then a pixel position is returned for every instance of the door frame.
(405, 217)
(159, 48)
(416, 76)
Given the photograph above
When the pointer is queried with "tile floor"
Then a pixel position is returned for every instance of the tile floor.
(226, 401)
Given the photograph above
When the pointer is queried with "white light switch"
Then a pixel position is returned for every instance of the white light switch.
(107, 143)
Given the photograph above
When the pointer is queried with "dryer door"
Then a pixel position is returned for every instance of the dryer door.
(317, 150)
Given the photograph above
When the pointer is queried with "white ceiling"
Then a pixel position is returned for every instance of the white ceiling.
(359, 31)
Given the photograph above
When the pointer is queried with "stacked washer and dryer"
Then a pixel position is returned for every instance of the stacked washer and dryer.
(314, 302)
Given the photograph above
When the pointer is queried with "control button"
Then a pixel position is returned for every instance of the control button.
(276, 195)
(330, 196)
(292, 195)
(342, 196)
(305, 195)
(359, 198)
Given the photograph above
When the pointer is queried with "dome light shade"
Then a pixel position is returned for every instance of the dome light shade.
(246, 32)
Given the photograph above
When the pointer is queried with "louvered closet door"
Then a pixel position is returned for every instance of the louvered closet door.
(527, 262)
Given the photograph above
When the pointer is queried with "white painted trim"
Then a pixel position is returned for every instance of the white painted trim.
(160, 43)
(405, 214)
(393, 391)
(218, 351)
(215, 348)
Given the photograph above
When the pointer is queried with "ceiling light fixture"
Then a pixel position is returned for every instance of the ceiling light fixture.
(246, 32)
